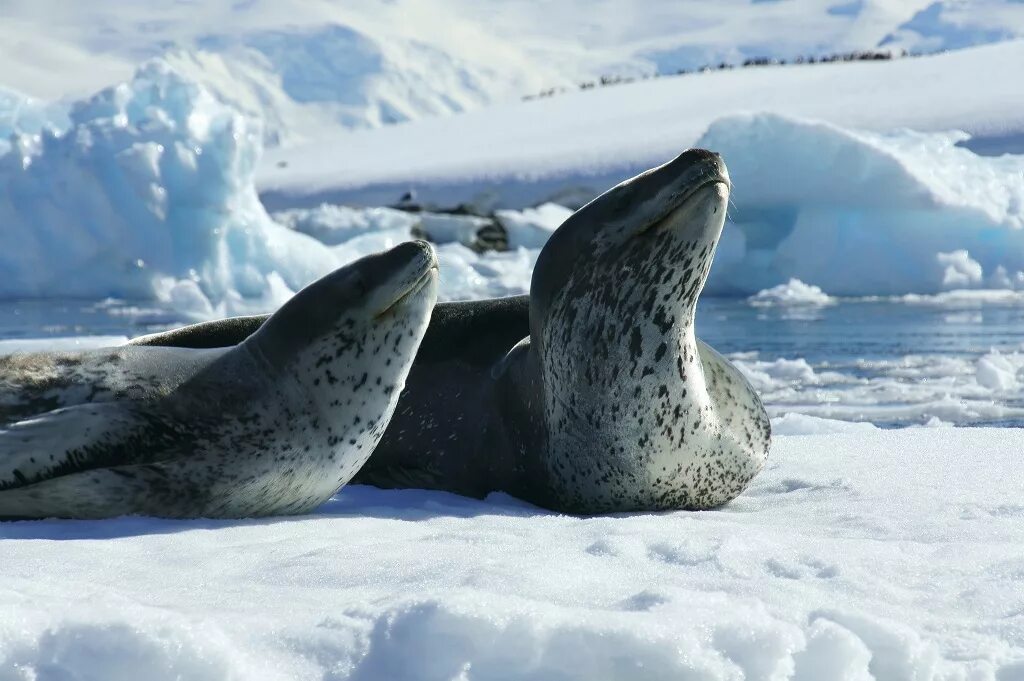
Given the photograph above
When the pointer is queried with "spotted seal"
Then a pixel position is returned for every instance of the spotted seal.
(593, 394)
(272, 425)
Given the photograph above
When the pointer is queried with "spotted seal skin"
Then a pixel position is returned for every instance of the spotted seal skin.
(273, 425)
(593, 394)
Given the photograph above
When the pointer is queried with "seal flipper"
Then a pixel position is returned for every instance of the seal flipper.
(736, 402)
(73, 439)
(103, 493)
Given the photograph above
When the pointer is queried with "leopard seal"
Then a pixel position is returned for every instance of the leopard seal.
(592, 394)
(273, 425)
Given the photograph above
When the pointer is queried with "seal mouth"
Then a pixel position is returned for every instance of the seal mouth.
(413, 289)
(665, 219)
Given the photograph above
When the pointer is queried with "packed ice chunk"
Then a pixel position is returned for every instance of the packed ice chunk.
(1000, 372)
(531, 227)
(794, 292)
(333, 225)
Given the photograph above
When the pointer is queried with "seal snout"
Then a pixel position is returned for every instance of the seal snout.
(708, 161)
(695, 189)
(695, 169)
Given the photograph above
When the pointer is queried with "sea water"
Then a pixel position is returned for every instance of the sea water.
(893, 364)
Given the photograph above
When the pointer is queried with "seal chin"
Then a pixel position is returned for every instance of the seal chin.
(426, 282)
(697, 210)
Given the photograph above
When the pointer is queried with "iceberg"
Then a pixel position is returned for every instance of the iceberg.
(148, 194)
(858, 213)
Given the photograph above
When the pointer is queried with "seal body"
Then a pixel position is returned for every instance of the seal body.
(272, 425)
(593, 394)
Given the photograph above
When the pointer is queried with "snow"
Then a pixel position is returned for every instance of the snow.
(844, 559)
(580, 143)
(801, 424)
(308, 67)
(58, 343)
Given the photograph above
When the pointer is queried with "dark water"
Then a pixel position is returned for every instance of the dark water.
(873, 330)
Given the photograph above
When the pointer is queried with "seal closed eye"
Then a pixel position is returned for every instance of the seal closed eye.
(593, 394)
(272, 425)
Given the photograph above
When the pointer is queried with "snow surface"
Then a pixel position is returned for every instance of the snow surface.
(580, 143)
(868, 554)
(305, 67)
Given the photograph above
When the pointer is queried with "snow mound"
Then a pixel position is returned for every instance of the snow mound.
(566, 149)
(843, 560)
(302, 66)
(149, 194)
(862, 213)
(301, 80)
(793, 293)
